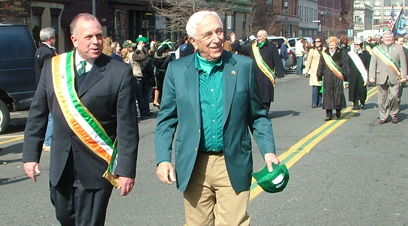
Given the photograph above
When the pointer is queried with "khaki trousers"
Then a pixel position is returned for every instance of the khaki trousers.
(210, 199)
(387, 97)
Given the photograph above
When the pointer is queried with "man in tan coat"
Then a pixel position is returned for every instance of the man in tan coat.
(388, 69)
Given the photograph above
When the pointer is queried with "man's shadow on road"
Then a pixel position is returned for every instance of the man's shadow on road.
(278, 114)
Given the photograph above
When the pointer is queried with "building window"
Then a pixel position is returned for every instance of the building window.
(376, 21)
(368, 2)
(377, 3)
(377, 12)
(387, 2)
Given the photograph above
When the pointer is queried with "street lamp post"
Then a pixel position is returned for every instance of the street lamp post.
(285, 4)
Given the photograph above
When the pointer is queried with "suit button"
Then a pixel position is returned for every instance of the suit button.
(196, 149)
(199, 130)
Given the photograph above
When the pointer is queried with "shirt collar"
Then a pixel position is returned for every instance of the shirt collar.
(51, 47)
(78, 59)
(205, 65)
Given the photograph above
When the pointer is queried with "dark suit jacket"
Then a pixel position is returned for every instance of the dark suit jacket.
(43, 53)
(270, 55)
(243, 113)
(108, 95)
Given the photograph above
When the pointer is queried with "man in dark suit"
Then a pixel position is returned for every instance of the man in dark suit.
(268, 55)
(95, 126)
(211, 98)
(44, 52)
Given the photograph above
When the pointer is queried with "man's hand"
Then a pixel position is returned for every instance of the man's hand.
(269, 159)
(233, 37)
(165, 172)
(321, 82)
(140, 45)
(403, 80)
(31, 168)
(372, 80)
(126, 184)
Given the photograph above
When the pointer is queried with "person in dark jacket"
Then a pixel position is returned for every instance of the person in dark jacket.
(162, 58)
(284, 54)
(44, 52)
(148, 80)
(269, 55)
(333, 95)
(359, 61)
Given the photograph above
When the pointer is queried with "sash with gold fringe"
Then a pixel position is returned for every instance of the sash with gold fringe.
(332, 65)
(262, 65)
(79, 118)
(387, 60)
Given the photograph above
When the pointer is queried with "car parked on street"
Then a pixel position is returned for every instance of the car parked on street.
(17, 73)
(291, 61)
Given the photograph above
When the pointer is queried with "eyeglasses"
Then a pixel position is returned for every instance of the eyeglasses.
(318, 41)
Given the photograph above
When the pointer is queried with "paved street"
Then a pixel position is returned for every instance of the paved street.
(351, 171)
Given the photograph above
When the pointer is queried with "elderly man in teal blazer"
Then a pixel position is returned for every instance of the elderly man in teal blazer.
(211, 100)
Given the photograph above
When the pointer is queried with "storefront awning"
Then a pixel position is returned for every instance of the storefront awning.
(103, 13)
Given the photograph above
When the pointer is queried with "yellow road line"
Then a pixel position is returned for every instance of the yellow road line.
(348, 113)
(11, 140)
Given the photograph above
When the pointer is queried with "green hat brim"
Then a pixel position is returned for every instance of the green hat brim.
(274, 181)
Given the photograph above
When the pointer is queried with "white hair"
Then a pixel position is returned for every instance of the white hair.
(196, 18)
(47, 33)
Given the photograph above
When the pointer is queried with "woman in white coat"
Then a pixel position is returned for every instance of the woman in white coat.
(312, 65)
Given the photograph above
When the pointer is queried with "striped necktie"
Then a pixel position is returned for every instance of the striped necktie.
(81, 71)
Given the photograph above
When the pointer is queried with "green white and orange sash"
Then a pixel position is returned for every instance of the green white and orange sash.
(79, 118)
(359, 65)
(332, 65)
(262, 65)
(387, 60)
(369, 49)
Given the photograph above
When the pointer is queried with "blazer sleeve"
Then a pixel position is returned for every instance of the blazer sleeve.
(258, 121)
(37, 120)
(373, 66)
(167, 120)
(127, 127)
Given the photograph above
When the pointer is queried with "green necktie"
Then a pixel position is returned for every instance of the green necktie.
(81, 71)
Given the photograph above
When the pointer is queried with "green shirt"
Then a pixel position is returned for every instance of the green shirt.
(211, 102)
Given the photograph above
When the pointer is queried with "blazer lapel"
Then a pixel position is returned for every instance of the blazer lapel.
(94, 75)
(193, 88)
(230, 75)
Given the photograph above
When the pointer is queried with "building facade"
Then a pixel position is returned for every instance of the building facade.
(383, 10)
(308, 18)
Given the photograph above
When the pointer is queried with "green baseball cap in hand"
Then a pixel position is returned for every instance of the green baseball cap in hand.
(274, 181)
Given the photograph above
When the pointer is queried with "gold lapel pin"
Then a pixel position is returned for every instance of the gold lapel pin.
(233, 72)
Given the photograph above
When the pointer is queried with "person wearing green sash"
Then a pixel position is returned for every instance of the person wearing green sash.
(95, 135)
(332, 71)
(267, 63)
(388, 69)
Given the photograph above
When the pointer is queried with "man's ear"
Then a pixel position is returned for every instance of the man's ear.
(193, 42)
(74, 40)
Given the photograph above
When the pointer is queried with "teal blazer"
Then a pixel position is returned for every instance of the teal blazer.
(243, 113)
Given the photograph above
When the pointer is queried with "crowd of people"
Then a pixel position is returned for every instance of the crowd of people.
(215, 93)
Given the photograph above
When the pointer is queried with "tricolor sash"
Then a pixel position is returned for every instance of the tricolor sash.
(387, 60)
(359, 65)
(369, 49)
(332, 65)
(79, 118)
(262, 65)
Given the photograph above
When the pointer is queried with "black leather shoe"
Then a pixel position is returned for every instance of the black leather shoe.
(327, 119)
(338, 114)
